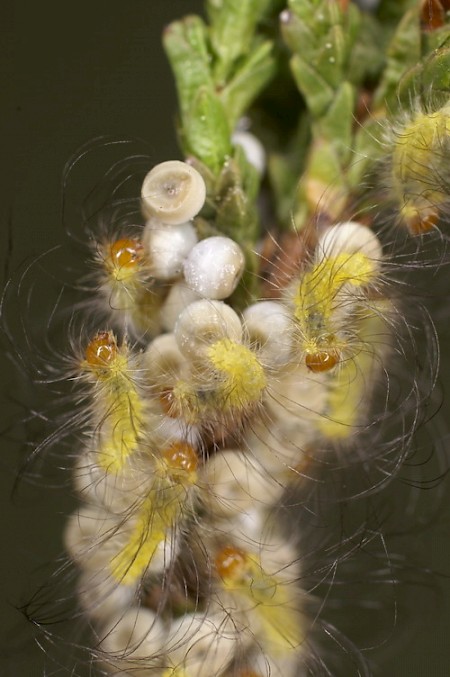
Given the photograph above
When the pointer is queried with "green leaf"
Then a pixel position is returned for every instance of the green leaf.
(232, 26)
(312, 85)
(186, 46)
(250, 79)
(337, 124)
(205, 131)
(403, 53)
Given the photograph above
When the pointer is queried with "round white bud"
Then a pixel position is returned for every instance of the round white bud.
(214, 267)
(270, 328)
(203, 323)
(173, 192)
(167, 247)
(178, 298)
(163, 358)
(100, 596)
(135, 636)
(253, 149)
(203, 645)
(85, 534)
(349, 238)
(236, 482)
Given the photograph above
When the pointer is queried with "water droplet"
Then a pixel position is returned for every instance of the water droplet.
(332, 59)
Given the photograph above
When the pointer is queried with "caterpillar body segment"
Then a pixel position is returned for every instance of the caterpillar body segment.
(354, 383)
(330, 295)
(118, 407)
(204, 374)
(420, 169)
(130, 294)
(141, 535)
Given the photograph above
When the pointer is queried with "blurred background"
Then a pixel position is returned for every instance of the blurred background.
(82, 71)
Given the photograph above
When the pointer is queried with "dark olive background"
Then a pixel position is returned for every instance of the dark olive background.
(83, 70)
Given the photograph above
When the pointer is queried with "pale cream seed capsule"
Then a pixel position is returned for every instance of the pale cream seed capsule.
(173, 192)
(203, 323)
(214, 267)
(167, 247)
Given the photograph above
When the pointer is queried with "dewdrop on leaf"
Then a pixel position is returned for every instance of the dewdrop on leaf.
(421, 169)
(173, 192)
(167, 247)
(214, 267)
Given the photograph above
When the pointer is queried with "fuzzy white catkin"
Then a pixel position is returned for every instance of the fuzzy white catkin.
(173, 192)
(167, 247)
(214, 267)
(203, 323)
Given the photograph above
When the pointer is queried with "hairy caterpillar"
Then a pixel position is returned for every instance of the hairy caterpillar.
(268, 445)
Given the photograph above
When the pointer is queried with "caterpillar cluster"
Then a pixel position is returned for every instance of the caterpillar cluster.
(202, 418)
(220, 427)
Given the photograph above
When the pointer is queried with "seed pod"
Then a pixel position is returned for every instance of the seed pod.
(173, 192)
